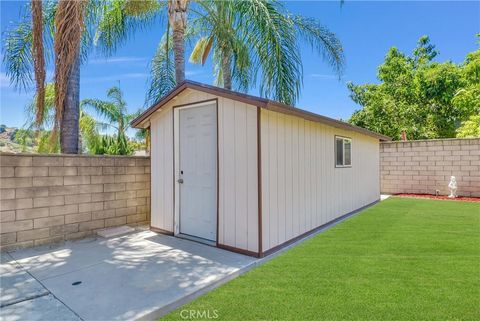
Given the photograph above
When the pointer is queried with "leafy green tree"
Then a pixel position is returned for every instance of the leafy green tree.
(422, 97)
(470, 128)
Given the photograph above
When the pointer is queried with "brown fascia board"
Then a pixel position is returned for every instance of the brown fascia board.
(255, 101)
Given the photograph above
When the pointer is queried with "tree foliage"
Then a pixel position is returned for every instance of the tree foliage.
(114, 111)
(470, 128)
(425, 98)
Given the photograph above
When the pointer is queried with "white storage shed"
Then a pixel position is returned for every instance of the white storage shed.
(251, 175)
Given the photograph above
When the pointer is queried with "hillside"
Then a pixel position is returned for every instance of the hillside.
(9, 144)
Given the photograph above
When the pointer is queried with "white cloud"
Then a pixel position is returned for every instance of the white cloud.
(116, 60)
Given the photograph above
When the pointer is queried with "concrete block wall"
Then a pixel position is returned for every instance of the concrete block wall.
(425, 166)
(51, 198)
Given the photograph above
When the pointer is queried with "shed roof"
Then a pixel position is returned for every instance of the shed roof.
(251, 100)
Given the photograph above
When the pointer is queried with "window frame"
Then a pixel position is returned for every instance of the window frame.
(343, 138)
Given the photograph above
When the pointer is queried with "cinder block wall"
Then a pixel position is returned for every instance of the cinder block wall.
(46, 199)
(426, 165)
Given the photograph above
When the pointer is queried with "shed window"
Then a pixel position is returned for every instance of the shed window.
(343, 151)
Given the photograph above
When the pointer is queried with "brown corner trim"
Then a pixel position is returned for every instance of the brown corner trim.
(301, 236)
(160, 230)
(218, 177)
(259, 182)
(237, 250)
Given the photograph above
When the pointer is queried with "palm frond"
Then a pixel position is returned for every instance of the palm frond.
(325, 42)
(201, 50)
(275, 51)
(106, 109)
(121, 18)
(162, 73)
(116, 95)
(48, 116)
(17, 56)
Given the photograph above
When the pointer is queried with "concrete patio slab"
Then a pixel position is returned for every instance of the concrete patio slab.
(127, 277)
(41, 308)
(16, 284)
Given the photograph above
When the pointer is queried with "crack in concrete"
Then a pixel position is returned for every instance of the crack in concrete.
(46, 289)
(28, 298)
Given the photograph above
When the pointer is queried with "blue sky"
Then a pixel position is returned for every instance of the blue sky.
(366, 29)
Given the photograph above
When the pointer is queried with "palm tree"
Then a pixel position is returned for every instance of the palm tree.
(249, 39)
(48, 141)
(114, 111)
(65, 22)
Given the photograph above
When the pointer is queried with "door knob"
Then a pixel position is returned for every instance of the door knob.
(180, 180)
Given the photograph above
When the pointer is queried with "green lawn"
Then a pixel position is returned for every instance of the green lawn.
(402, 259)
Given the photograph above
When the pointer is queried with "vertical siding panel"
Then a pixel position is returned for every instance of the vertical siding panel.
(301, 180)
(273, 177)
(265, 145)
(163, 173)
(162, 186)
(240, 142)
(324, 175)
(169, 174)
(308, 176)
(221, 171)
(295, 174)
(331, 170)
(154, 159)
(318, 168)
(162, 170)
(281, 179)
(229, 171)
(252, 179)
(288, 178)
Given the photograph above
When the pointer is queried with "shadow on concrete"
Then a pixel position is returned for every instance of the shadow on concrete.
(126, 277)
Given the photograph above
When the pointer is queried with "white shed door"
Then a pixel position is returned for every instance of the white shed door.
(198, 170)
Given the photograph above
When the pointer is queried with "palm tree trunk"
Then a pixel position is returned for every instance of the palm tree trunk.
(227, 71)
(69, 26)
(38, 59)
(179, 53)
(69, 126)
(177, 15)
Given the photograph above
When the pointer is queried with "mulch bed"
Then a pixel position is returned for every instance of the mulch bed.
(440, 197)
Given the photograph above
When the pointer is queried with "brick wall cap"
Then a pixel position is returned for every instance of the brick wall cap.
(470, 141)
